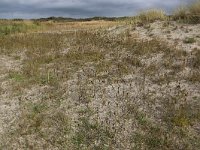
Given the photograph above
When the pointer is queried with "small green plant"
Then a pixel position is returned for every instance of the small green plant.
(16, 76)
(181, 120)
(189, 40)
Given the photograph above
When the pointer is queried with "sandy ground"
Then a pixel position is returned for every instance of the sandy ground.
(173, 33)
(9, 106)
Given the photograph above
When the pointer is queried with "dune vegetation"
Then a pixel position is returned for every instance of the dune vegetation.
(129, 83)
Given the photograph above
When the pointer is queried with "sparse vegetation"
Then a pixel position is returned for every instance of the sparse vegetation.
(89, 85)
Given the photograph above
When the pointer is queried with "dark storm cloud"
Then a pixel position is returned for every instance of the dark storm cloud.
(80, 8)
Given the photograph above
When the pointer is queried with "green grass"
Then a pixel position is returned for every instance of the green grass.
(7, 28)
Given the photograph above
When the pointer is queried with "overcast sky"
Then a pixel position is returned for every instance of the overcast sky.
(81, 8)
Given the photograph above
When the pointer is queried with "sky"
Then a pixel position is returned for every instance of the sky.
(28, 9)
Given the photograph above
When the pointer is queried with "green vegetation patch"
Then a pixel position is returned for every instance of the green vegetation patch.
(10, 28)
(16, 76)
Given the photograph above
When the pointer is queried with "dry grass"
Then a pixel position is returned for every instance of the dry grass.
(152, 15)
(189, 13)
(195, 8)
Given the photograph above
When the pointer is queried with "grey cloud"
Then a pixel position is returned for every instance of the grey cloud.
(80, 8)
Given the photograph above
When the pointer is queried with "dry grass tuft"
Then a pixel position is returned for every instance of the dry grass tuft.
(152, 15)
(189, 13)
